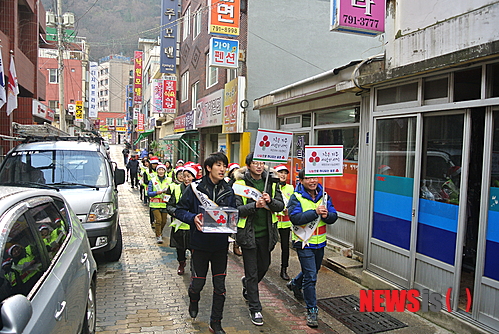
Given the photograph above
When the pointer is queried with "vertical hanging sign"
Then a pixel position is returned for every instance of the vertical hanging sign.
(157, 96)
(92, 90)
(78, 111)
(169, 9)
(137, 78)
(140, 123)
(169, 95)
(224, 17)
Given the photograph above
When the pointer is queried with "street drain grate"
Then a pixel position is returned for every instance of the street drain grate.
(345, 309)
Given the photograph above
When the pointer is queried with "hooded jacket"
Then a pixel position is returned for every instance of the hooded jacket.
(188, 208)
(246, 236)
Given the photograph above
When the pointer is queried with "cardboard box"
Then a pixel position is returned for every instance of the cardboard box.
(219, 219)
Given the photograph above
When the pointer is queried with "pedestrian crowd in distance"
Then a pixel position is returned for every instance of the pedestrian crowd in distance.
(270, 209)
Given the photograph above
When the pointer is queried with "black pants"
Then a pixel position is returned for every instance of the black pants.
(200, 260)
(256, 264)
(134, 179)
(284, 235)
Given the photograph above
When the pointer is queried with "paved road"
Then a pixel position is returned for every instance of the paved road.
(142, 293)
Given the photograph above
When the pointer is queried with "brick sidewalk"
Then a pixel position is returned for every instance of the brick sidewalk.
(142, 292)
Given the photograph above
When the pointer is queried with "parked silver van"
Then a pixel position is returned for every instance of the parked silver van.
(79, 169)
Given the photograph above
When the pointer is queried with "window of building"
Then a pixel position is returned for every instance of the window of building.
(211, 73)
(53, 76)
(350, 115)
(435, 89)
(184, 90)
(196, 25)
(53, 104)
(493, 80)
(119, 122)
(231, 74)
(187, 23)
(468, 84)
(110, 121)
(73, 69)
(194, 94)
(398, 94)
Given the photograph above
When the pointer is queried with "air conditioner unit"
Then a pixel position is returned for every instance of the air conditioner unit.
(50, 17)
(68, 20)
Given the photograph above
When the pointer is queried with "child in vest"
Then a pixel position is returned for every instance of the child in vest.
(156, 191)
(180, 234)
(309, 209)
(283, 223)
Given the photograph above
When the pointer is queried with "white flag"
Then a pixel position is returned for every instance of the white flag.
(13, 88)
(3, 95)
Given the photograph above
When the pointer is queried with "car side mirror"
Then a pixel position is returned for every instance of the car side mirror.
(119, 176)
(15, 312)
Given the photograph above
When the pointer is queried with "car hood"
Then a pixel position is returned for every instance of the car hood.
(81, 199)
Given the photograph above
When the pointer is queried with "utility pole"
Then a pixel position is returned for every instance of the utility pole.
(60, 72)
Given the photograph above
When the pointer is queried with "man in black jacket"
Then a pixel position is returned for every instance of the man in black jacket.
(133, 167)
(207, 248)
(257, 227)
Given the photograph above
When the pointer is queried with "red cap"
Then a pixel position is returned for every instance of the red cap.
(281, 167)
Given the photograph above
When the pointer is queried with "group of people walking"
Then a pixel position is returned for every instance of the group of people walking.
(269, 209)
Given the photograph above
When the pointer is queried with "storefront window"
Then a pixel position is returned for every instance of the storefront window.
(350, 115)
(343, 189)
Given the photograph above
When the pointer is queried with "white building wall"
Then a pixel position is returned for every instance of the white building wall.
(421, 30)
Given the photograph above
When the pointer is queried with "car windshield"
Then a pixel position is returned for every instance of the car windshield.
(56, 167)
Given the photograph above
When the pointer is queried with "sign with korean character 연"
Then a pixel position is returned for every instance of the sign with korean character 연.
(224, 52)
(272, 146)
(224, 17)
(364, 17)
(137, 78)
(324, 160)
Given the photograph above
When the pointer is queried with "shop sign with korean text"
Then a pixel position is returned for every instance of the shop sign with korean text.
(272, 146)
(209, 109)
(224, 52)
(92, 89)
(79, 111)
(42, 111)
(232, 120)
(157, 96)
(140, 123)
(179, 123)
(137, 78)
(168, 40)
(324, 160)
(363, 17)
(224, 17)
(169, 95)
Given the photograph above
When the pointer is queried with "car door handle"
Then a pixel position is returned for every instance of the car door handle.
(60, 312)
(84, 258)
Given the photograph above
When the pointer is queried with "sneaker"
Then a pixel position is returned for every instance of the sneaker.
(296, 290)
(216, 327)
(159, 240)
(256, 318)
(312, 317)
(193, 309)
(245, 292)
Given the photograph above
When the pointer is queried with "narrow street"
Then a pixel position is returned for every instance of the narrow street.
(142, 293)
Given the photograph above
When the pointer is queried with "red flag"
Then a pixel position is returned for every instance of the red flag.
(12, 88)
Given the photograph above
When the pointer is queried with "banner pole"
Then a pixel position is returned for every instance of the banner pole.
(266, 179)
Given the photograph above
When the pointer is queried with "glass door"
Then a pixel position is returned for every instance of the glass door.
(442, 211)
(395, 147)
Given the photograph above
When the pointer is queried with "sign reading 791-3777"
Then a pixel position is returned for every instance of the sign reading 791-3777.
(272, 146)
(324, 160)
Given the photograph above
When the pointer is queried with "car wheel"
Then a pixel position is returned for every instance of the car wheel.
(115, 253)
(90, 319)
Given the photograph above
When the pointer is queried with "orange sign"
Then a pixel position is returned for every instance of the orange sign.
(224, 17)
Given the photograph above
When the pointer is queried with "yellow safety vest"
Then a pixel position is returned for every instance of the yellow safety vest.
(320, 235)
(242, 220)
(284, 222)
(175, 189)
(158, 202)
